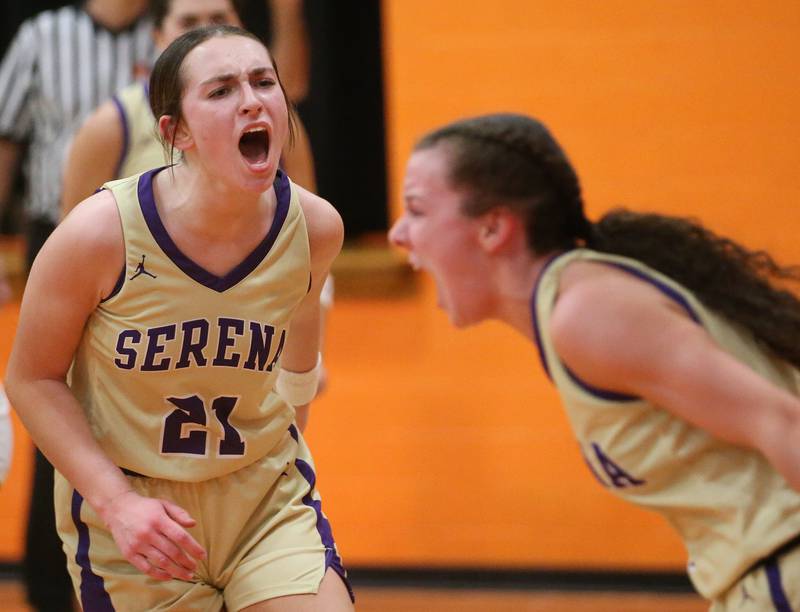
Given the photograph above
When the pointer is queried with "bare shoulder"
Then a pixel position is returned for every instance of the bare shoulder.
(96, 218)
(607, 323)
(102, 126)
(325, 227)
(89, 241)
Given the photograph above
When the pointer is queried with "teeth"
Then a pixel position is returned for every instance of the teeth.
(254, 130)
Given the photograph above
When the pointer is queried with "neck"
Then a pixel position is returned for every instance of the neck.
(115, 14)
(515, 280)
(212, 209)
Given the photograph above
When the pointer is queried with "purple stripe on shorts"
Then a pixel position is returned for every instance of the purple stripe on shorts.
(779, 599)
(94, 597)
(332, 558)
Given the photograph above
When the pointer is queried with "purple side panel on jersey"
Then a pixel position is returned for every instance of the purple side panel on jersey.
(189, 267)
(332, 559)
(126, 135)
(779, 598)
(94, 597)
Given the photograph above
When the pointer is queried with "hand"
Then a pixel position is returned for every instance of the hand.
(151, 535)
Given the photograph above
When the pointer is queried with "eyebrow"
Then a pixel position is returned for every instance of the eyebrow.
(229, 76)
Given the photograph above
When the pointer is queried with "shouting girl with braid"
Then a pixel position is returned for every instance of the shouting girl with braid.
(674, 351)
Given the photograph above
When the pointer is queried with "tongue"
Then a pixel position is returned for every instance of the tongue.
(253, 146)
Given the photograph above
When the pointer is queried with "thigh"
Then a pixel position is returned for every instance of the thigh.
(288, 545)
(104, 579)
(333, 596)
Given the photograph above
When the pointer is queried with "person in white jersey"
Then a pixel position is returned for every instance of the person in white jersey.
(676, 356)
(174, 305)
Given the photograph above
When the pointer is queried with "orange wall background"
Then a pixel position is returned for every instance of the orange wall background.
(437, 447)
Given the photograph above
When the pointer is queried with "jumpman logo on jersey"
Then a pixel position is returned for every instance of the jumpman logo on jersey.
(140, 270)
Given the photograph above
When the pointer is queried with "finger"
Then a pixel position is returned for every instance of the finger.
(178, 514)
(183, 539)
(143, 565)
(180, 536)
(161, 562)
(174, 553)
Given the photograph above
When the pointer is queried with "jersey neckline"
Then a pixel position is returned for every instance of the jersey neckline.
(194, 271)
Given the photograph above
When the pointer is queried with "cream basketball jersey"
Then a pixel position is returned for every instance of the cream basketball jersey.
(727, 502)
(141, 147)
(175, 370)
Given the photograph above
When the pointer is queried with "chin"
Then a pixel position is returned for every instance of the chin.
(460, 320)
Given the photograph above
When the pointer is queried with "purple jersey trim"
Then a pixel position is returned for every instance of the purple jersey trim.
(537, 336)
(94, 597)
(665, 289)
(126, 137)
(597, 392)
(117, 287)
(189, 267)
(779, 598)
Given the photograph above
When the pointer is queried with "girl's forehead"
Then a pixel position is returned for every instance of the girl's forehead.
(230, 54)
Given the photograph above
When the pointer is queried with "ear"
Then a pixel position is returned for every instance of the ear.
(167, 128)
(497, 229)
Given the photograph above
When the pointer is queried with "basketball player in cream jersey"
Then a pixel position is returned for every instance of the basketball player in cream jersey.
(677, 362)
(119, 138)
(157, 324)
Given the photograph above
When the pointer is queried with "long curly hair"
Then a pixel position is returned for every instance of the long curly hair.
(512, 160)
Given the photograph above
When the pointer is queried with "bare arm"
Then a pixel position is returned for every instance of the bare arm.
(290, 47)
(93, 156)
(9, 162)
(325, 235)
(298, 160)
(76, 268)
(617, 333)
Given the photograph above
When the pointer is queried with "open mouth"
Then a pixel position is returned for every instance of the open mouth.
(254, 145)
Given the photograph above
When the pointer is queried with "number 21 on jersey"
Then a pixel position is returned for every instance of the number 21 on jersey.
(186, 430)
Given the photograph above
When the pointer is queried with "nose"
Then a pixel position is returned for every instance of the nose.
(398, 233)
(250, 102)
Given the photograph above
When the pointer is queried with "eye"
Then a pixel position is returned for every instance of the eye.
(265, 82)
(219, 92)
(413, 211)
(188, 23)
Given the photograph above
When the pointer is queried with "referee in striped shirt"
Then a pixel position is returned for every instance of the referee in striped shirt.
(60, 66)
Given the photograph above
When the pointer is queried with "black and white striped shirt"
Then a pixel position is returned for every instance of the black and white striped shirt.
(60, 66)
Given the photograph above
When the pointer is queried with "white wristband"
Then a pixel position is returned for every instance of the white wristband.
(298, 388)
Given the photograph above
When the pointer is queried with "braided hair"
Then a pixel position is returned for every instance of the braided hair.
(513, 161)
